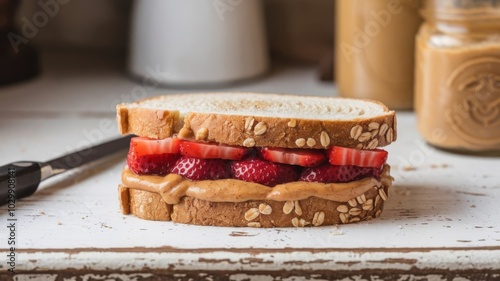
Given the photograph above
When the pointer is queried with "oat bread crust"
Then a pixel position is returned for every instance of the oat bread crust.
(143, 204)
(254, 130)
(308, 212)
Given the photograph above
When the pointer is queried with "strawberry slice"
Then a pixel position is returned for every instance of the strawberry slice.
(264, 172)
(301, 157)
(201, 169)
(154, 164)
(146, 146)
(212, 151)
(362, 158)
(148, 156)
(338, 174)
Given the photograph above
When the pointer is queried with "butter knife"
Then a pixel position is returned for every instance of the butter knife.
(21, 179)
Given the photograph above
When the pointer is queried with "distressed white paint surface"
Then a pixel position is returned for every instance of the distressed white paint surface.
(448, 201)
(221, 260)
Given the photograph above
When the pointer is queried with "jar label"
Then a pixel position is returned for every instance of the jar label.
(475, 117)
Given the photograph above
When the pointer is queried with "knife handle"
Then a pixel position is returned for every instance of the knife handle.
(18, 180)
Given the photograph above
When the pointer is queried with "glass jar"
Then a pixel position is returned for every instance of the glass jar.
(457, 87)
(375, 47)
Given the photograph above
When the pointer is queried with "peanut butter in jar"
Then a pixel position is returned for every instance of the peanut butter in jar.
(457, 87)
(375, 46)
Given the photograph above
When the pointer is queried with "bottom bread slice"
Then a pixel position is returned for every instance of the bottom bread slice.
(312, 211)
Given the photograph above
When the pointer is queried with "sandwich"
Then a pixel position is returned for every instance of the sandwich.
(255, 159)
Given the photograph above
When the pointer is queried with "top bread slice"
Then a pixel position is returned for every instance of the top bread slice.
(260, 119)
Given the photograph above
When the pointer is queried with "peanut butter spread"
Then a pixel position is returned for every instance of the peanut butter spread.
(173, 187)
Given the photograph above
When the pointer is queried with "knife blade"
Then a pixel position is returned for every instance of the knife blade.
(21, 179)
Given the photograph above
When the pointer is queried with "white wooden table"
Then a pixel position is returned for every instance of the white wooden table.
(442, 221)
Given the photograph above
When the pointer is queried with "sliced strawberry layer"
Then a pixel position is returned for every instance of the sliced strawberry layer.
(301, 157)
(264, 172)
(354, 157)
(338, 174)
(212, 151)
(205, 161)
(201, 169)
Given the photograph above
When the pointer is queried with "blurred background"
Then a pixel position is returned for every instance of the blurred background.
(278, 32)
